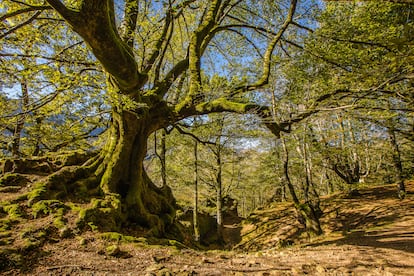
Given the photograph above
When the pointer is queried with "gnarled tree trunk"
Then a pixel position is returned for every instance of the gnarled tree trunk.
(123, 173)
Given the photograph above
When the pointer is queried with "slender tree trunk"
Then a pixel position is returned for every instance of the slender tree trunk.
(195, 211)
(15, 148)
(396, 157)
(306, 210)
(244, 208)
(283, 197)
(162, 155)
(286, 174)
(219, 196)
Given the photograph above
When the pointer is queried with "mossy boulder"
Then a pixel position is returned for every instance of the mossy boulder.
(38, 192)
(14, 211)
(13, 179)
(47, 207)
(113, 250)
(103, 214)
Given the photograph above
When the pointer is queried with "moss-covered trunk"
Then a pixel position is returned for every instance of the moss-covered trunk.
(123, 174)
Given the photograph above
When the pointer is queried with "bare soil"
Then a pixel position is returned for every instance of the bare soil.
(371, 234)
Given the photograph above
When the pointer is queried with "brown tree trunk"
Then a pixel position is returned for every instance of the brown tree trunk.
(307, 213)
(162, 155)
(15, 148)
(396, 157)
(195, 211)
(219, 196)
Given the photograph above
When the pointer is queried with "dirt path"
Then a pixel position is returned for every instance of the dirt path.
(369, 235)
(386, 252)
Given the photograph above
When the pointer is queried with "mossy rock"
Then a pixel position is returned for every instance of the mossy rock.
(6, 166)
(103, 214)
(14, 211)
(60, 221)
(6, 238)
(44, 164)
(113, 250)
(27, 165)
(72, 158)
(13, 179)
(38, 192)
(47, 207)
(6, 224)
(118, 237)
(36, 237)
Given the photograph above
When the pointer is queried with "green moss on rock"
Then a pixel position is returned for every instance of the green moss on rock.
(10, 258)
(38, 192)
(103, 214)
(13, 179)
(113, 250)
(118, 237)
(14, 211)
(47, 207)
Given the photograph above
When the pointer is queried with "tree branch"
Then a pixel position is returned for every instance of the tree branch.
(95, 23)
(68, 14)
(160, 42)
(198, 43)
(180, 130)
(25, 10)
(129, 23)
(264, 79)
(77, 62)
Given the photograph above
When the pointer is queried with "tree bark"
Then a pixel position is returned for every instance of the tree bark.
(195, 211)
(219, 196)
(162, 155)
(15, 148)
(123, 174)
(307, 213)
(396, 157)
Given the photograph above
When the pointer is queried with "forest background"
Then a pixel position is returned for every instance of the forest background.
(255, 101)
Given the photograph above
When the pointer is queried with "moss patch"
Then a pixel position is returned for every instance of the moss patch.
(47, 207)
(13, 179)
(38, 192)
(117, 237)
(103, 214)
(14, 211)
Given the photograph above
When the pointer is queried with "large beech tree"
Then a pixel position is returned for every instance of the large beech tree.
(153, 56)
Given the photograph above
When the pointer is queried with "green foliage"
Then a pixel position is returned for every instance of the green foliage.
(183, 61)
(47, 88)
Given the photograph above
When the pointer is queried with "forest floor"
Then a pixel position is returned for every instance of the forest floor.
(370, 234)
